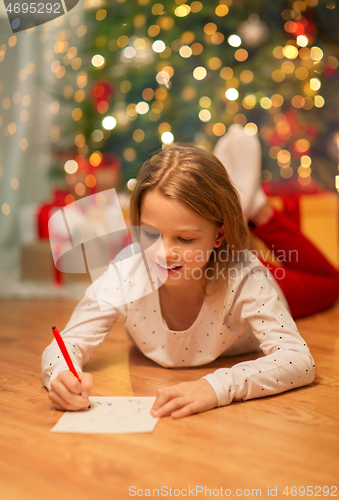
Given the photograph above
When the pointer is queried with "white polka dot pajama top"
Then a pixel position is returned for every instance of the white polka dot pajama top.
(255, 318)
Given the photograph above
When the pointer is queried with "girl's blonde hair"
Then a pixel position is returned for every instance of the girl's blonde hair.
(197, 179)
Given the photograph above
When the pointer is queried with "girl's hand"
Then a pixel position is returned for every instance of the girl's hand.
(184, 399)
(67, 393)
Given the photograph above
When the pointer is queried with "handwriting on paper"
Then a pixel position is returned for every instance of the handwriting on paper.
(110, 415)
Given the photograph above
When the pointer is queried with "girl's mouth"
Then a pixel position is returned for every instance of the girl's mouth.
(170, 271)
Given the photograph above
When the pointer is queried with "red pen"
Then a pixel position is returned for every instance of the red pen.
(64, 351)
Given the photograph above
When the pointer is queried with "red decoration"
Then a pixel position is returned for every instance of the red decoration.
(101, 92)
(83, 163)
(312, 130)
(44, 211)
(110, 160)
(293, 121)
(274, 139)
(296, 129)
(310, 28)
(300, 26)
(328, 71)
(305, 27)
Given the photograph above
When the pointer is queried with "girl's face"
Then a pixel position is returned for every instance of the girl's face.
(187, 239)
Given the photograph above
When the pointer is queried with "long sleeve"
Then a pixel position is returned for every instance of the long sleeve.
(287, 363)
(85, 331)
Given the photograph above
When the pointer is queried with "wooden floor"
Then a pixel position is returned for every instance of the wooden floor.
(276, 442)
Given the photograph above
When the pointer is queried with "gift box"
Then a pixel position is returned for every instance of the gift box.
(286, 195)
(319, 223)
(37, 264)
(46, 209)
(314, 210)
(36, 255)
(36, 259)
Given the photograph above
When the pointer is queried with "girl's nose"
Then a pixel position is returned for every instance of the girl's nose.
(170, 253)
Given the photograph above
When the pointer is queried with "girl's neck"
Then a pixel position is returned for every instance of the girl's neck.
(185, 294)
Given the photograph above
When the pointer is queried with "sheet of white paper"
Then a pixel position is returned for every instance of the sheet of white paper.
(110, 415)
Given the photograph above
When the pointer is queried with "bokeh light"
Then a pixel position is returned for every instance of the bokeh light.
(167, 137)
(142, 108)
(98, 61)
(185, 51)
(109, 122)
(158, 46)
(182, 11)
(232, 94)
(199, 73)
(205, 115)
(234, 40)
(71, 166)
(250, 129)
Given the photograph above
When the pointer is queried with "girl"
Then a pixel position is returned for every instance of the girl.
(213, 297)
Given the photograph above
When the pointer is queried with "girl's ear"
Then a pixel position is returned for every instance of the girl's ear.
(220, 236)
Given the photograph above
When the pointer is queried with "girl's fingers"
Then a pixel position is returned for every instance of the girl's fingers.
(184, 399)
(167, 408)
(67, 379)
(86, 383)
(165, 394)
(68, 393)
(72, 403)
(184, 412)
(68, 400)
(55, 404)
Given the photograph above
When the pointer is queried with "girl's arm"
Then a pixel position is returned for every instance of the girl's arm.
(287, 363)
(85, 331)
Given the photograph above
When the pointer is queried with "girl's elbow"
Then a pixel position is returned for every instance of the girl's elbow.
(312, 373)
(306, 368)
(310, 369)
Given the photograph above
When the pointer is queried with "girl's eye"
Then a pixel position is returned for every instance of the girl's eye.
(152, 235)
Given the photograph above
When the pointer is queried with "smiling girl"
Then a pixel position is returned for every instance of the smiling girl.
(212, 297)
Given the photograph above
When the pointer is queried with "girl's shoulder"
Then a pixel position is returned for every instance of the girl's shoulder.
(247, 272)
(244, 262)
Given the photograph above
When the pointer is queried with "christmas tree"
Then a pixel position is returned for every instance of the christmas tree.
(150, 73)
